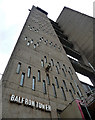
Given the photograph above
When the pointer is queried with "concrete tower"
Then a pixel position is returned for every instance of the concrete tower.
(39, 80)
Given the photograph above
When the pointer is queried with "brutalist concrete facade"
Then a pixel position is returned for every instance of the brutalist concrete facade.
(38, 52)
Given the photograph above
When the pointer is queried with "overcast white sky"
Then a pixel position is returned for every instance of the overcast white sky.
(13, 14)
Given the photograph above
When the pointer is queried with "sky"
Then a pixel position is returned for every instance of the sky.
(13, 14)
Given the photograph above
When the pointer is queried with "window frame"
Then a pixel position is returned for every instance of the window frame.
(33, 83)
(18, 68)
(29, 72)
(22, 79)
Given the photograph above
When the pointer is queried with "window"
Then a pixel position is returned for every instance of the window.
(72, 97)
(79, 90)
(70, 70)
(45, 42)
(37, 43)
(50, 43)
(54, 90)
(37, 30)
(42, 63)
(18, 68)
(56, 80)
(64, 83)
(55, 45)
(33, 83)
(30, 28)
(78, 95)
(63, 72)
(28, 25)
(29, 72)
(44, 87)
(52, 62)
(34, 46)
(57, 70)
(40, 40)
(48, 79)
(72, 88)
(70, 75)
(39, 75)
(65, 68)
(45, 59)
(22, 79)
(31, 41)
(28, 43)
(59, 65)
(64, 96)
(25, 38)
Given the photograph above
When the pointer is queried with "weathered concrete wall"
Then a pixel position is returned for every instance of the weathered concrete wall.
(79, 28)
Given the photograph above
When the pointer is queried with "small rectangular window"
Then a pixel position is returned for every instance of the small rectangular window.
(78, 95)
(39, 75)
(57, 70)
(18, 68)
(44, 87)
(64, 96)
(79, 90)
(63, 72)
(52, 62)
(59, 65)
(72, 88)
(71, 70)
(48, 79)
(29, 72)
(65, 86)
(70, 75)
(28, 43)
(45, 59)
(71, 94)
(42, 63)
(54, 90)
(31, 41)
(25, 38)
(22, 79)
(37, 43)
(56, 80)
(65, 68)
(33, 83)
(34, 46)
